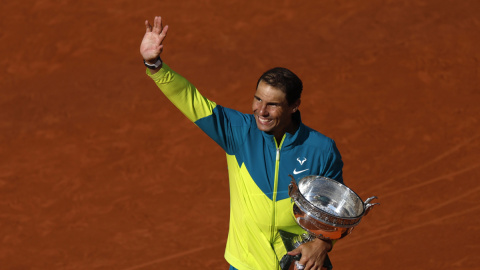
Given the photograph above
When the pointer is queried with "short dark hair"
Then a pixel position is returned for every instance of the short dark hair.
(285, 80)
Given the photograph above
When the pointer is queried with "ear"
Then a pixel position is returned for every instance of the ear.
(296, 105)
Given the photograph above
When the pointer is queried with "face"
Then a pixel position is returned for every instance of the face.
(272, 112)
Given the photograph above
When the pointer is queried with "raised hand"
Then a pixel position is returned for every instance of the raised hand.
(152, 46)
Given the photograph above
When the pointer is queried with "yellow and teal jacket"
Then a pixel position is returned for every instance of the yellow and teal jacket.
(258, 169)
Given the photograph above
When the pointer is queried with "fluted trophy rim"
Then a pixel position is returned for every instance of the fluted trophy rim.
(318, 214)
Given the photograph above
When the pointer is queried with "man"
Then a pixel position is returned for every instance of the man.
(262, 149)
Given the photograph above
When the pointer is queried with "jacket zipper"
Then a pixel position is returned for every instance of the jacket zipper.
(274, 197)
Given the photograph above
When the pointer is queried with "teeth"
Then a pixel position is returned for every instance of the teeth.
(264, 120)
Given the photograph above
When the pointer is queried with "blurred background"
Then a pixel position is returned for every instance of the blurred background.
(99, 171)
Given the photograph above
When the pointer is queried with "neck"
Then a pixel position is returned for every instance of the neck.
(291, 129)
(278, 139)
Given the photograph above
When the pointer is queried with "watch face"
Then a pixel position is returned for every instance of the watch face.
(153, 66)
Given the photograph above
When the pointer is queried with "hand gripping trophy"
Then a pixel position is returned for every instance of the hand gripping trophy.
(326, 209)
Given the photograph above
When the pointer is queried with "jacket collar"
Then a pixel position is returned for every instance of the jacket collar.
(289, 140)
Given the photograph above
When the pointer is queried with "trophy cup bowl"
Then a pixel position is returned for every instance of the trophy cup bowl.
(326, 209)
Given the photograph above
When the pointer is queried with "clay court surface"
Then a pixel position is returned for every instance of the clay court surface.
(99, 171)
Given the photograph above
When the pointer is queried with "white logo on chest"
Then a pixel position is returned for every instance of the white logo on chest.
(301, 161)
(297, 172)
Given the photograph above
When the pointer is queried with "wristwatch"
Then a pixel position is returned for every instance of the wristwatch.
(153, 66)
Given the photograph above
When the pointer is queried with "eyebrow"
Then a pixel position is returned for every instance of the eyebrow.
(268, 103)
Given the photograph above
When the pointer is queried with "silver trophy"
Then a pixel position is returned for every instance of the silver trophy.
(326, 209)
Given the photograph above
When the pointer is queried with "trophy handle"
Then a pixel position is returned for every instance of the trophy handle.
(292, 188)
(369, 205)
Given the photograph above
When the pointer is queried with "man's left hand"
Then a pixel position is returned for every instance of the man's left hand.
(313, 253)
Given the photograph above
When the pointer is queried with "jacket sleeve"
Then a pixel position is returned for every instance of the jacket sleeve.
(182, 94)
(334, 163)
(225, 126)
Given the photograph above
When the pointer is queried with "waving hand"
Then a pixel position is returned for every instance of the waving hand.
(152, 46)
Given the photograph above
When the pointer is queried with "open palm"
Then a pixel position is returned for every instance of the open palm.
(152, 46)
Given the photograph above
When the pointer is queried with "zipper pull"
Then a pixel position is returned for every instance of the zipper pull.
(278, 154)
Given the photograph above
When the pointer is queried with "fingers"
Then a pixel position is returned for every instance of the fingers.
(306, 265)
(299, 266)
(296, 251)
(157, 25)
(148, 27)
(164, 31)
(157, 28)
(309, 264)
(162, 36)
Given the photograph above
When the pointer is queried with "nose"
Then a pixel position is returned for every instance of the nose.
(262, 110)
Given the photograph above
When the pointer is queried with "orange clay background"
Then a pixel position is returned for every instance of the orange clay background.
(99, 171)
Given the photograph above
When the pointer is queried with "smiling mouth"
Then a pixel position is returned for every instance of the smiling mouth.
(264, 121)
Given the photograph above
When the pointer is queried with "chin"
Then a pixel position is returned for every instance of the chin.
(263, 128)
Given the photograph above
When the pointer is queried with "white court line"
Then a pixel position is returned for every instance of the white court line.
(428, 163)
(174, 256)
(431, 181)
(410, 228)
